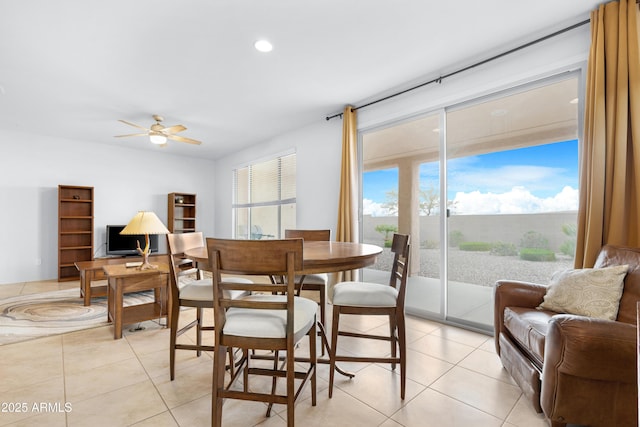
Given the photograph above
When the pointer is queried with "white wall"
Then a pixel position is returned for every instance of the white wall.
(124, 180)
(318, 154)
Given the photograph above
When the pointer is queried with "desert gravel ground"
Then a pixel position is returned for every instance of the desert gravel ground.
(482, 268)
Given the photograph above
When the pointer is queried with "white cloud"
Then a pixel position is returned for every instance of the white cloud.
(517, 200)
(502, 179)
(369, 207)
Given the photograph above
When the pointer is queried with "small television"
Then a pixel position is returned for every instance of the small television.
(125, 244)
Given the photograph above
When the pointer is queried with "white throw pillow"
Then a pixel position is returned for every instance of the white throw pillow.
(592, 292)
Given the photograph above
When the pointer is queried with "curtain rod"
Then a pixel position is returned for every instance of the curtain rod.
(477, 64)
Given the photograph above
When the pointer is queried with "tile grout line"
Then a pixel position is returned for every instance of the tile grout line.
(64, 379)
(502, 421)
(155, 386)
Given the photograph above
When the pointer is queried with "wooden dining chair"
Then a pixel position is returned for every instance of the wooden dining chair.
(261, 321)
(183, 242)
(188, 289)
(363, 298)
(312, 282)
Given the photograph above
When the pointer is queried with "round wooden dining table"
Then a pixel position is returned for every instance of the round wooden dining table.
(318, 257)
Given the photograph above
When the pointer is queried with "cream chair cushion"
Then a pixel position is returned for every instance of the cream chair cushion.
(364, 294)
(314, 279)
(246, 322)
(202, 290)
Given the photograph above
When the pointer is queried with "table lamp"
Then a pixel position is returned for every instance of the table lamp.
(145, 223)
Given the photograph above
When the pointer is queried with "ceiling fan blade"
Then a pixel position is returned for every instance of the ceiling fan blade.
(174, 129)
(133, 124)
(131, 134)
(183, 139)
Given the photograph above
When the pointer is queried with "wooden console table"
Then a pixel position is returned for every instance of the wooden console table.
(92, 270)
(122, 280)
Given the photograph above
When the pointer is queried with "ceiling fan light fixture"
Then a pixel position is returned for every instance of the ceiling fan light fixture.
(158, 139)
(263, 46)
(159, 134)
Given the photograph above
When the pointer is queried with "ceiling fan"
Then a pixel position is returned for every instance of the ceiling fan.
(158, 134)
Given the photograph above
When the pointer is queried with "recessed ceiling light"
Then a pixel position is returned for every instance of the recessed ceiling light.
(573, 101)
(263, 46)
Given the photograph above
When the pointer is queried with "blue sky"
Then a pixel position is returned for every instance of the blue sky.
(534, 176)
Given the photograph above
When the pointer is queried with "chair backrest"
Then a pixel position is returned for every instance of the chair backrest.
(611, 255)
(308, 235)
(253, 257)
(180, 242)
(177, 244)
(400, 268)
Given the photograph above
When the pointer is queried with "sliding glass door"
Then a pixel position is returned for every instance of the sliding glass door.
(487, 190)
(512, 182)
(401, 192)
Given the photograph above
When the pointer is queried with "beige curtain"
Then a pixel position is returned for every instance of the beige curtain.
(609, 209)
(347, 228)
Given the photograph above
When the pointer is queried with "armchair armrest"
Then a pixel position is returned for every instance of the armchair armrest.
(610, 346)
(510, 293)
(589, 373)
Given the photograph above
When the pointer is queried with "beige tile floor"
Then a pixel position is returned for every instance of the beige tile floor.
(454, 379)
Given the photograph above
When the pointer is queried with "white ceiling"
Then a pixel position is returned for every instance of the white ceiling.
(72, 68)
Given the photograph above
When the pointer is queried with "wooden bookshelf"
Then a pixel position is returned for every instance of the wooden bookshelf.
(75, 229)
(181, 212)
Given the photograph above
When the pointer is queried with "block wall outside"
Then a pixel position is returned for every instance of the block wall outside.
(483, 228)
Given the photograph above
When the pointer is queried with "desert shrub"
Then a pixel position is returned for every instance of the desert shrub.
(431, 244)
(504, 249)
(533, 239)
(569, 246)
(475, 246)
(455, 238)
(537, 254)
(386, 229)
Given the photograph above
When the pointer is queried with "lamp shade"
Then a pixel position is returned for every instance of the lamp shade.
(145, 223)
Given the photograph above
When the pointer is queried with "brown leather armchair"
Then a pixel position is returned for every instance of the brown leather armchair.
(575, 369)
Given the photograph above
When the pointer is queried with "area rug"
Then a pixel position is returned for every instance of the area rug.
(26, 317)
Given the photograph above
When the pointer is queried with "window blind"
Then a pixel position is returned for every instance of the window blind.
(264, 198)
